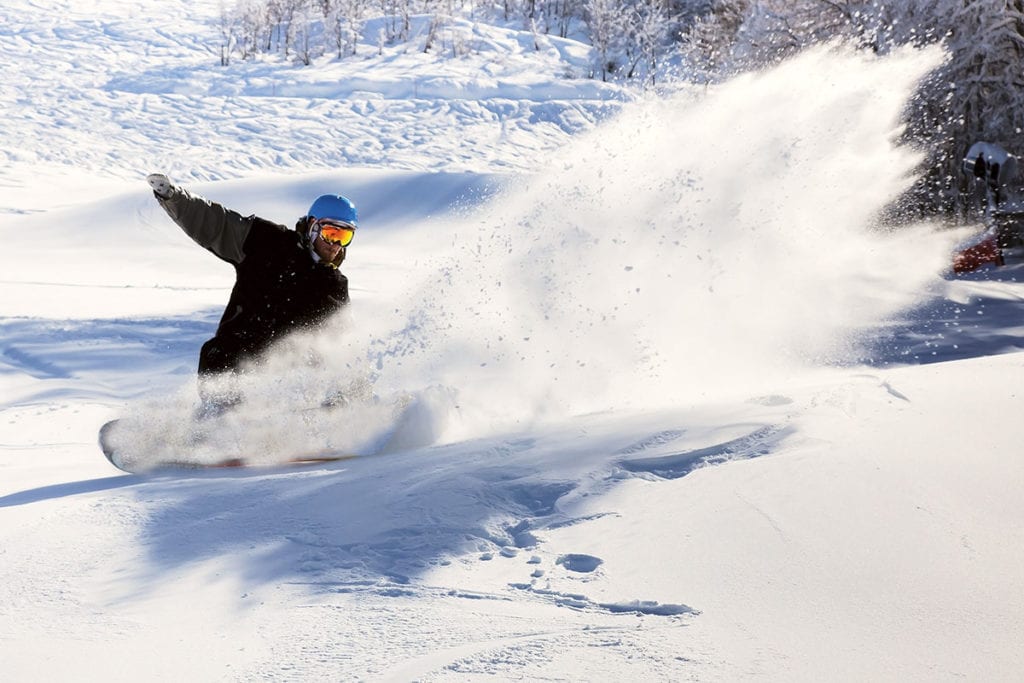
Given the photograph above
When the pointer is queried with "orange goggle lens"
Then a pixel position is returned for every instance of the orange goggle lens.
(338, 233)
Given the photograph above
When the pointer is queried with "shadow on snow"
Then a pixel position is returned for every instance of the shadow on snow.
(942, 330)
(56, 491)
(113, 357)
(393, 517)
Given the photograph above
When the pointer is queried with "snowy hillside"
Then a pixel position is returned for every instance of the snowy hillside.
(120, 87)
(679, 411)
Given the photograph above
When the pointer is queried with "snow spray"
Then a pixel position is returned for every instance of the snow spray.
(701, 246)
(694, 246)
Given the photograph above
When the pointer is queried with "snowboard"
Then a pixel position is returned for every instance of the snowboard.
(172, 465)
(400, 423)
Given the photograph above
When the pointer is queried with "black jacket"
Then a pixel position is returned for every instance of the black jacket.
(279, 286)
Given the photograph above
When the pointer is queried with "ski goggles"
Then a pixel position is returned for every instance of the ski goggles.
(335, 231)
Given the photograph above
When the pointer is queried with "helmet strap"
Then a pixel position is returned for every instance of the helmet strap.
(312, 232)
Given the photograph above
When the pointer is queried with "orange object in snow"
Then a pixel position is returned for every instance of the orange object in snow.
(983, 252)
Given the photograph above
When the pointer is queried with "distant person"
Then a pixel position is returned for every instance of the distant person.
(285, 280)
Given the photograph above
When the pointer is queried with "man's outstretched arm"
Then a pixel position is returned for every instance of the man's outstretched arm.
(209, 224)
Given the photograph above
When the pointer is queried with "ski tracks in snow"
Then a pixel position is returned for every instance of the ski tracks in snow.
(476, 537)
(482, 558)
(760, 441)
(432, 633)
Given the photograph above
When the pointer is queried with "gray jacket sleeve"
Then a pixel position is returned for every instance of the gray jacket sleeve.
(209, 224)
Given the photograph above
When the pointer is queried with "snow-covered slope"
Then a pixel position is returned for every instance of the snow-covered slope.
(679, 411)
(121, 87)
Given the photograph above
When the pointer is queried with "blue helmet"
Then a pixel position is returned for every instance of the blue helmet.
(335, 207)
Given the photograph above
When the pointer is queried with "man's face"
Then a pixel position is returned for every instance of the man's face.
(327, 251)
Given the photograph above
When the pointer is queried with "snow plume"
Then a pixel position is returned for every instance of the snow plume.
(692, 247)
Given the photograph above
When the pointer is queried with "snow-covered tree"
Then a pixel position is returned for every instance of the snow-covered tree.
(647, 26)
(228, 34)
(306, 45)
(561, 15)
(343, 22)
(606, 26)
(978, 94)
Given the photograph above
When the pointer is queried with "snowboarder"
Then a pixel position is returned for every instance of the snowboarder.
(285, 280)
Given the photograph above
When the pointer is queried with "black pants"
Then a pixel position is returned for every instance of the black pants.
(220, 356)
